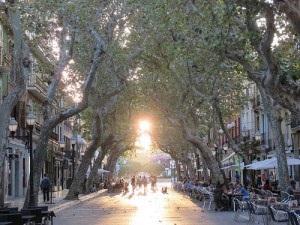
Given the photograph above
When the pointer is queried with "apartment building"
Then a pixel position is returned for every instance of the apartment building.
(58, 163)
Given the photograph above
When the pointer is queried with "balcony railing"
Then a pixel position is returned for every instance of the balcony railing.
(36, 81)
(6, 59)
(295, 121)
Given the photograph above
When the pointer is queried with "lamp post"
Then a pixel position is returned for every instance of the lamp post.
(245, 133)
(13, 125)
(62, 146)
(225, 148)
(258, 136)
(73, 142)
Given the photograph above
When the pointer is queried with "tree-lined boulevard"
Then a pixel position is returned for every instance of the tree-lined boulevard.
(205, 75)
(139, 208)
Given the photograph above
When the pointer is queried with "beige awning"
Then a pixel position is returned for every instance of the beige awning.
(228, 158)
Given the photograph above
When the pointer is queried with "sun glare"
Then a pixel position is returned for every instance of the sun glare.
(144, 140)
(144, 126)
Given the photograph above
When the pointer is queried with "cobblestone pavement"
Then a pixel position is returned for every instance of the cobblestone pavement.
(140, 208)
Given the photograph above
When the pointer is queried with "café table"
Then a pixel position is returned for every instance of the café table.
(27, 218)
(281, 203)
(295, 208)
(262, 201)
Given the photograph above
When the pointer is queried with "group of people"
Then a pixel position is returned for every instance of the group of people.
(142, 181)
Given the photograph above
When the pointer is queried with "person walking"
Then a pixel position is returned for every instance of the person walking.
(237, 177)
(45, 187)
(145, 182)
(133, 183)
(152, 179)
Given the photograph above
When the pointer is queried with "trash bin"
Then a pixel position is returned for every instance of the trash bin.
(69, 182)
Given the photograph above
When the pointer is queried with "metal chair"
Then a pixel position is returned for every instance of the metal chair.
(208, 198)
(255, 211)
(276, 216)
(293, 218)
(241, 206)
(286, 197)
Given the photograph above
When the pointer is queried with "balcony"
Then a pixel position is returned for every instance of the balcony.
(6, 59)
(295, 122)
(256, 104)
(36, 86)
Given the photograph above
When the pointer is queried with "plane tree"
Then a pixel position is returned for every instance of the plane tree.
(253, 35)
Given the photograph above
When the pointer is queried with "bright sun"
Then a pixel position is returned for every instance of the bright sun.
(144, 140)
(144, 126)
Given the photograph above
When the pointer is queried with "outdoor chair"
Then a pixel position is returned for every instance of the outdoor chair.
(208, 199)
(270, 194)
(293, 218)
(241, 206)
(46, 214)
(285, 197)
(275, 215)
(255, 211)
(37, 213)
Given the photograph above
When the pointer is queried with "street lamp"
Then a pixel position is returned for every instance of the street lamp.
(62, 145)
(245, 132)
(73, 142)
(225, 148)
(258, 136)
(12, 126)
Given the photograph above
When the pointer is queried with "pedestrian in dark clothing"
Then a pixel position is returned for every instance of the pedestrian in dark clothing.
(220, 199)
(133, 183)
(84, 185)
(237, 177)
(45, 187)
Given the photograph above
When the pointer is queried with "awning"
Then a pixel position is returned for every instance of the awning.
(234, 166)
(228, 157)
(271, 163)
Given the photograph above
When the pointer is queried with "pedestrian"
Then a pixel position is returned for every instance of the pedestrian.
(244, 192)
(45, 187)
(267, 185)
(153, 180)
(264, 177)
(237, 177)
(145, 182)
(247, 181)
(133, 183)
(271, 177)
(291, 187)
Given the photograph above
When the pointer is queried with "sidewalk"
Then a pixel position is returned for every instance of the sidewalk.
(58, 201)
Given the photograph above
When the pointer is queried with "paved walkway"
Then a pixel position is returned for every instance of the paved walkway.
(152, 208)
(57, 199)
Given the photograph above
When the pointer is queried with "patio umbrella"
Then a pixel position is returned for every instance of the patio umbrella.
(271, 163)
(102, 171)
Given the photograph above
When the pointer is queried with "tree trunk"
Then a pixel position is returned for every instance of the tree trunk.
(274, 119)
(21, 72)
(81, 172)
(211, 162)
(105, 146)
